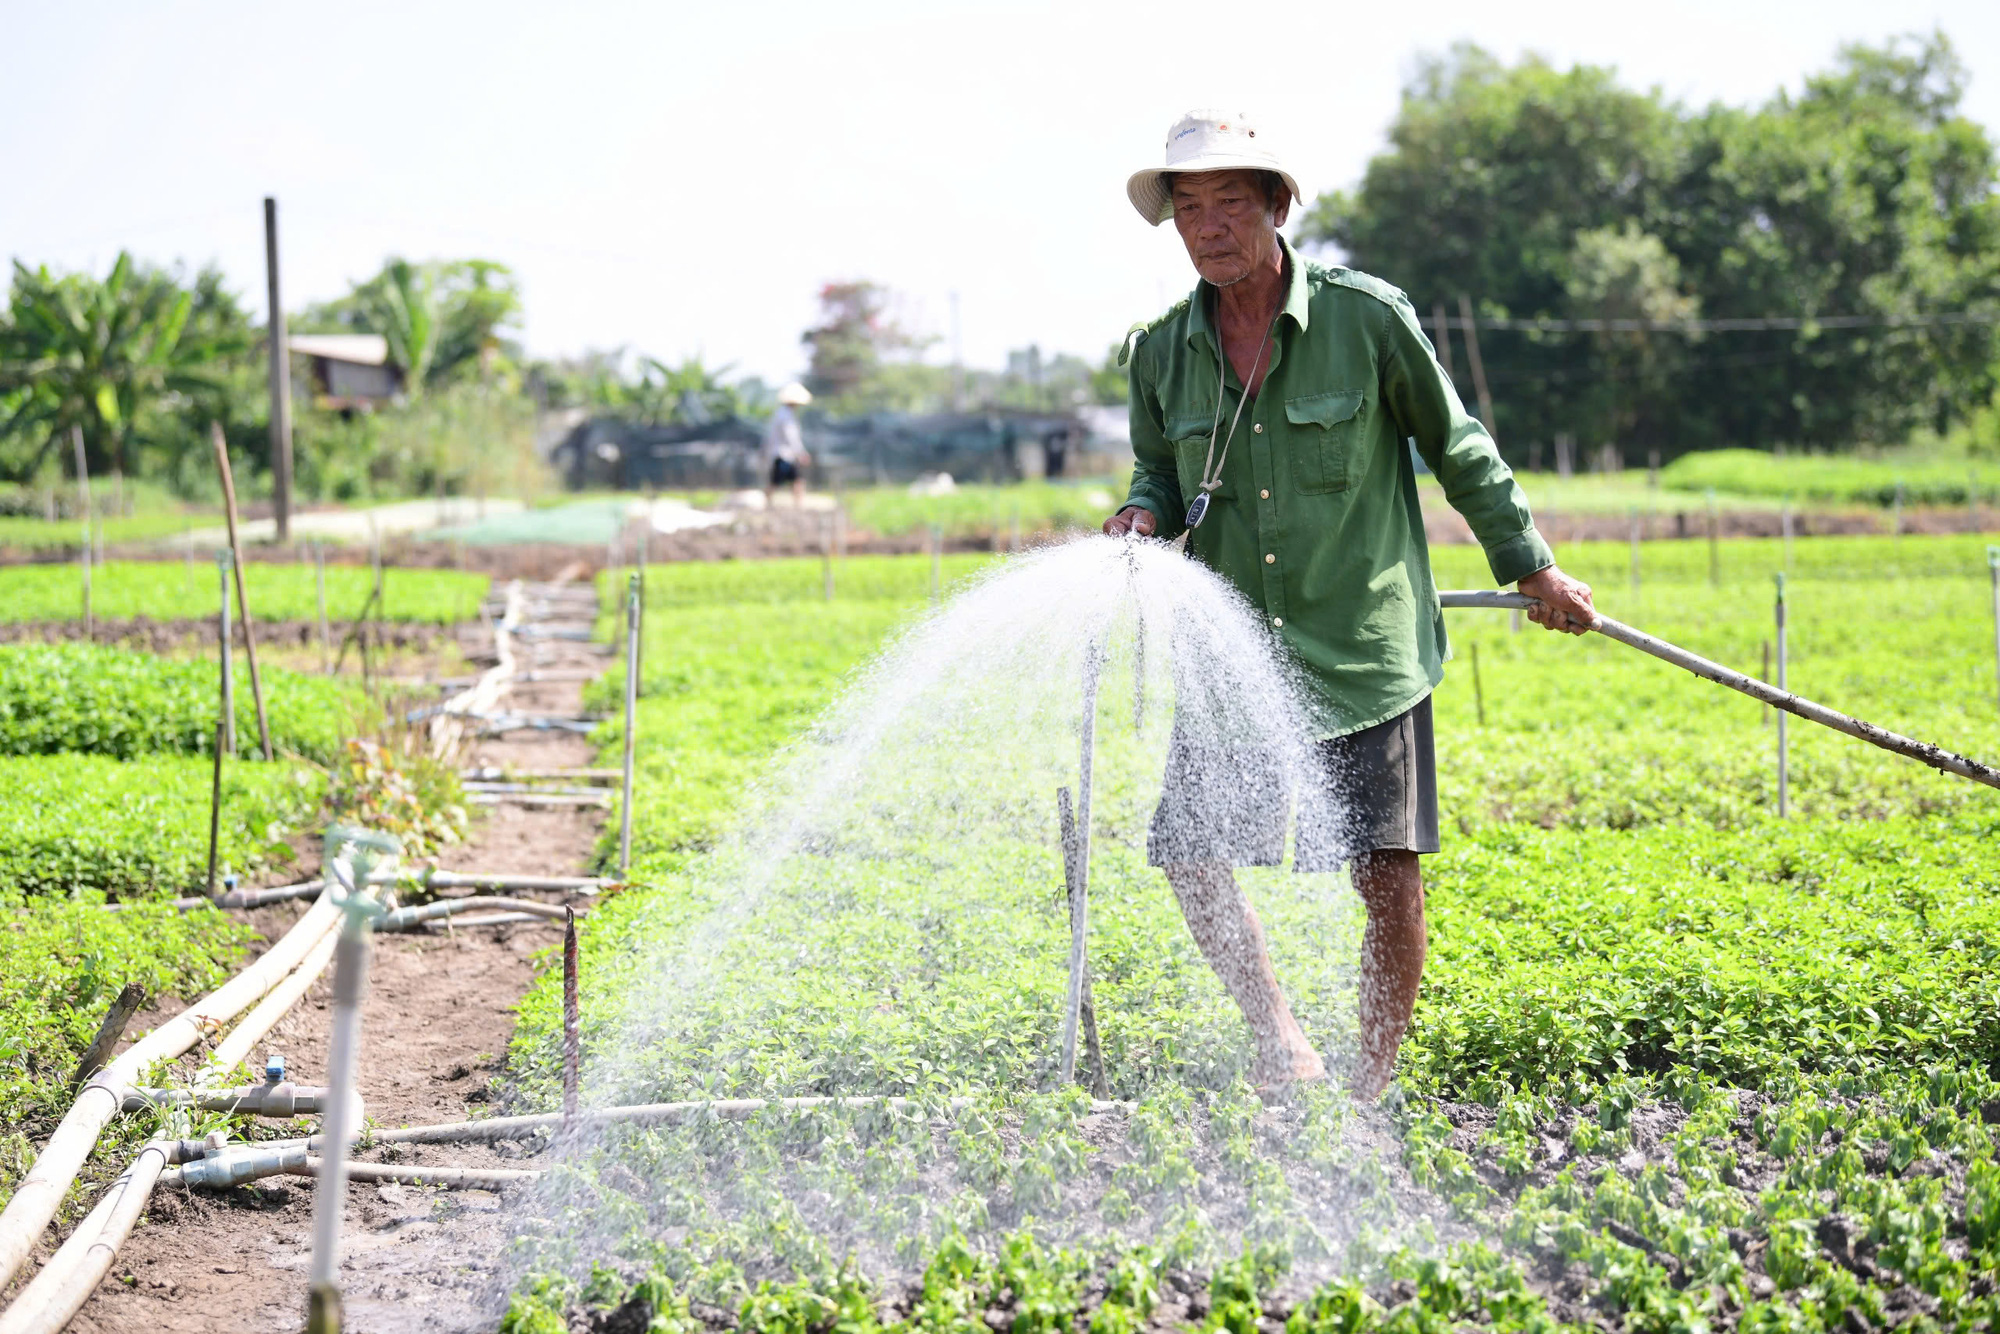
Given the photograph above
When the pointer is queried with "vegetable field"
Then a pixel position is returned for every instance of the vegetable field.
(167, 590)
(1678, 1064)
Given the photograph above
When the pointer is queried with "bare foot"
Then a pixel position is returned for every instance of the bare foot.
(1297, 1065)
(1370, 1078)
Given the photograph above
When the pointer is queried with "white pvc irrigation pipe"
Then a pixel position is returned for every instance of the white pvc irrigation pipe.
(1937, 757)
(72, 1274)
(404, 918)
(27, 1215)
(653, 1113)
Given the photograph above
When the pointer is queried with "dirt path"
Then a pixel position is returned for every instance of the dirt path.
(439, 1016)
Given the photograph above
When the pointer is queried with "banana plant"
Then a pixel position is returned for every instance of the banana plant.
(79, 353)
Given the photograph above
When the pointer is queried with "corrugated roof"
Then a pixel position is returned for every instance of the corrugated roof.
(360, 349)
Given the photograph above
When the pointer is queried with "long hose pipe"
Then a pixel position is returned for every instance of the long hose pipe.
(1923, 752)
(35, 1202)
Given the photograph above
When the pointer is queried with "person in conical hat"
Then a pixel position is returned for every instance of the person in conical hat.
(783, 457)
(1272, 412)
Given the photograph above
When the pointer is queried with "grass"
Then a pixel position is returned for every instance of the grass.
(1791, 1023)
(174, 590)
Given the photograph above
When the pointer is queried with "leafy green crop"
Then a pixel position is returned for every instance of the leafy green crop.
(1831, 479)
(106, 701)
(1690, 1066)
(174, 590)
(60, 967)
(93, 826)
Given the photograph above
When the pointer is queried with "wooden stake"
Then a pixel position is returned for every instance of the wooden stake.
(215, 809)
(1086, 1014)
(242, 603)
(1471, 328)
(130, 998)
(1076, 869)
(227, 637)
(572, 1076)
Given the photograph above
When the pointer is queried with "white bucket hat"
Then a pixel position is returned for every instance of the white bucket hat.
(795, 395)
(1205, 141)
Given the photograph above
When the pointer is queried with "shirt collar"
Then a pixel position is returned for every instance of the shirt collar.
(1297, 297)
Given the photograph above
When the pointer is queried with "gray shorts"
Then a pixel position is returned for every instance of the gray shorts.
(1370, 791)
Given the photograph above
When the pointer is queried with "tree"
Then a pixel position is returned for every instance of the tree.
(441, 319)
(118, 358)
(1553, 194)
(852, 346)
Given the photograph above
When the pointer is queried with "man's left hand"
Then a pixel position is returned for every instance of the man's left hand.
(1565, 602)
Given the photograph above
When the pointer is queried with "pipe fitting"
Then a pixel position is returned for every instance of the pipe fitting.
(278, 1100)
(241, 1164)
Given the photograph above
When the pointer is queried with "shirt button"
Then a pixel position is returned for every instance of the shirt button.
(1263, 495)
(1270, 559)
(1278, 621)
(1258, 427)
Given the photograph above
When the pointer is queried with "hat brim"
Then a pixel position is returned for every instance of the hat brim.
(1153, 195)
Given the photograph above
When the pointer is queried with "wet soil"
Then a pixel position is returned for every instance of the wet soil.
(439, 1016)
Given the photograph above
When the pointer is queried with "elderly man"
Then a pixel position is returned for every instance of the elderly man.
(1270, 415)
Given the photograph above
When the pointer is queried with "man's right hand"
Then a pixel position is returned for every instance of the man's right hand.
(1131, 519)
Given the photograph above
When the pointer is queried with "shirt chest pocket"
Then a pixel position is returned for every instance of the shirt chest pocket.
(1329, 434)
(1187, 429)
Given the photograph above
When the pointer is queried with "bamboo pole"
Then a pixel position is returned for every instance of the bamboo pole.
(228, 639)
(242, 602)
(127, 1004)
(1923, 752)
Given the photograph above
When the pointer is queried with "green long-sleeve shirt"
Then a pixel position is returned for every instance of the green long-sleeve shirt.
(1317, 520)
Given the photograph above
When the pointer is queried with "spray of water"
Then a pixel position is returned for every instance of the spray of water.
(891, 919)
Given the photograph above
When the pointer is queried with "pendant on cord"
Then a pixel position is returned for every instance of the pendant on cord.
(1198, 511)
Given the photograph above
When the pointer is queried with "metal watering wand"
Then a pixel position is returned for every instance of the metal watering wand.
(1937, 757)
(351, 857)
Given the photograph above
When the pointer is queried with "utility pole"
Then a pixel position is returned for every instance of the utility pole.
(281, 382)
(957, 360)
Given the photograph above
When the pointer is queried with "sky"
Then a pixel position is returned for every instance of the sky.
(681, 180)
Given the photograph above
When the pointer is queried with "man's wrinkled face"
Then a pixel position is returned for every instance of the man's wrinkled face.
(1229, 227)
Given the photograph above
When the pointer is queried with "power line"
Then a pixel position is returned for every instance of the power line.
(1749, 324)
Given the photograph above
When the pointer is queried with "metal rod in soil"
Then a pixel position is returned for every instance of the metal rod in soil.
(572, 1071)
(1478, 690)
(325, 630)
(83, 496)
(1784, 776)
(215, 807)
(242, 602)
(633, 612)
(1077, 861)
(1993, 568)
(1923, 752)
(227, 638)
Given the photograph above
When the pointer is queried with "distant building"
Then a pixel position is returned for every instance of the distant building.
(607, 452)
(347, 372)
